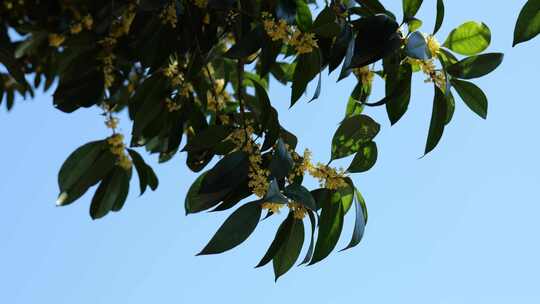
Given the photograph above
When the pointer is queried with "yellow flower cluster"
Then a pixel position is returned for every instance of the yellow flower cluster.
(429, 68)
(87, 22)
(302, 42)
(8, 5)
(301, 164)
(272, 207)
(328, 177)
(299, 212)
(364, 74)
(119, 28)
(172, 71)
(112, 122)
(119, 150)
(168, 16)
(172, 106)
(217, 98)
(201, 3)
(56, 40)
(433, 45)
(258, 177)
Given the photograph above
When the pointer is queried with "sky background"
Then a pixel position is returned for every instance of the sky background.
(457, 226)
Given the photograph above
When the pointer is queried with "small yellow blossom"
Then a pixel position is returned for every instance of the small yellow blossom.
(364, 74)
(172, 106)
(8, 5)
(329, 178)
(433, 45)
(299, 212)
(301, 164)
(112, 123)
(206, 19)
(117, 148)
(272, 207)
(303, 42)
(277, 31)
(76, 28)
(201, 3)
(168, 16)
(56, 40)
(88, 22)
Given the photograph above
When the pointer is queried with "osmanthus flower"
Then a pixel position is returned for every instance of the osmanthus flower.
(433, 45)
(118, 148)
(201, 3)
(272, 207)
(329, 178)
(302, 42)
(279, 30)
(168, 16)
(364, 74)
(299, 211)
(56, 40)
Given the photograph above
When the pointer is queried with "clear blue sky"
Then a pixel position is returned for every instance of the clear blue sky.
(458, 226)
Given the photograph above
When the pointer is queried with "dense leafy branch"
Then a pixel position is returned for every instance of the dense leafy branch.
(199, 71)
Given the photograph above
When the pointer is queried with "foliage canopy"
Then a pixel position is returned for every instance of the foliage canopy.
(193, 76)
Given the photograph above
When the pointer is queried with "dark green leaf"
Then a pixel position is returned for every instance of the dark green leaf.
(289, 251)
(476, 66)
(438, 120)
(364, 159)
(208, 138)
(330, 226)
(235, 230)
(359, 222)
(249, 44)
(473, 96)
(352, 133)
(398, 91)
(282, 233)
(282, 161)
(301, 195)
(410, 8)
(440, 16)
(307, 67)
(309, 253)
(109, 192)
(528, 24)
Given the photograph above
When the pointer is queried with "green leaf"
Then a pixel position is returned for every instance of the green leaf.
(359, 222)
(364, 159)
(472, 95)
(307, 67)
(78, 163)
(468, 39)
(414, 24)
(410, 8)
(289, 251)
(309, 253)
(124, 191)
(146, 174)
(528, 23)
(274, 195)
(235, 230)
(282, 233)
(248, 44)
(110, 192)
(438, 120)
(440, 16)
(377, 37)
(282, 161)
(417, 47)
(450, 107)
(358, 96)
(330, 226)
(476, 66)
(325, 24)
(301, 195)
(196, 202)
(208, 138)
(398, 91)
(351, 134)
(303, 16)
